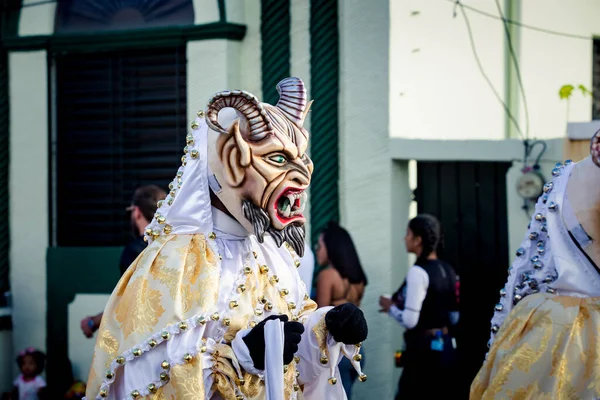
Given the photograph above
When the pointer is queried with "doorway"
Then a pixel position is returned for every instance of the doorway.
(469, 199)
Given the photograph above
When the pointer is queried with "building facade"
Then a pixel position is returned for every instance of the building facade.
(401, 113)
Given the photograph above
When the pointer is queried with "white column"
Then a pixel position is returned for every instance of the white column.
(300, 43)
(235, 10)
(206, 11)
(250, 64)
(207, 72)
(28, 191)
(366, 198)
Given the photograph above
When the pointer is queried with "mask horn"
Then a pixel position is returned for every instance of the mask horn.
(292, 99)
(245, 103)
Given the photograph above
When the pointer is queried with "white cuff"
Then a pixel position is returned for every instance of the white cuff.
(243, 353)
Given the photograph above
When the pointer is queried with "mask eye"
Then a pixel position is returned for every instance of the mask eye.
(278, 159)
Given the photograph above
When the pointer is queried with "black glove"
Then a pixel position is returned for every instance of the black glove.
(347, 324)
(255, 340)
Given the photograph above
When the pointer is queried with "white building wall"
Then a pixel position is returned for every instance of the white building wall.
(436, 90)
(28, 188)
(550, 61)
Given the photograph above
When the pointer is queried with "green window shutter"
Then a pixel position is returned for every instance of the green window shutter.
(275, 46)
(324, 148)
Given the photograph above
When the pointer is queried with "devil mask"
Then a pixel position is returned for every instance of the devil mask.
(258, 166)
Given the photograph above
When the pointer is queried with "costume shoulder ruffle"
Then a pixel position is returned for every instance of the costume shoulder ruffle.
(170, 288)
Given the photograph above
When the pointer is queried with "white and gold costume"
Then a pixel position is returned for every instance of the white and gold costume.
(174, 324)
(545, 330)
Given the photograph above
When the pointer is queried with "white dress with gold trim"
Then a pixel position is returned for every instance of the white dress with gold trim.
(173, 326)
(545, 338)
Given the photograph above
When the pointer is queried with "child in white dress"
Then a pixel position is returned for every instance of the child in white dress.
(29, 385)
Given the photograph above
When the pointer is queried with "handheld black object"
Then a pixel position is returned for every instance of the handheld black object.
(255, 340)
(347, 324)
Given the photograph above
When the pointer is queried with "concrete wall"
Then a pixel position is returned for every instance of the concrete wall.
(81, 349)
(550, 61)
(366, 178)
(28, 190)
(438, 92)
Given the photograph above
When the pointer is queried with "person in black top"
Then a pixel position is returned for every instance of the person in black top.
(427, 306)
(142, 209)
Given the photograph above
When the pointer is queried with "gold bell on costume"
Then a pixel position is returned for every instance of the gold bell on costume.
(215, 268)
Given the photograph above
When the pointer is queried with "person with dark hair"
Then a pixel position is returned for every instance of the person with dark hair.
(29, 385)
(427, 306)
(143, 206)
(342, 281)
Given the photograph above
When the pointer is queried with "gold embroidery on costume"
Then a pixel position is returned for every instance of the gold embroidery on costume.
(320, 331)
(124, 281)
(92, 374)
(252, 385)
(547, 349)
(223, 387)
(188, 380)
(309, 307)
(173, 280)
(160, 395)
(202, 272)
(530, 392)
(288, 381)
(139, 309)
(530, 353)
(108, 343)
(566, 301)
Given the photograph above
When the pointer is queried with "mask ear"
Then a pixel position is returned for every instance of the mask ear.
(305, 113)
(235, 155)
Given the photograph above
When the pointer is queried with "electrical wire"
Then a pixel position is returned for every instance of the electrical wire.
(522, 25)
(482, 71)
(541, 153)
(516, 65)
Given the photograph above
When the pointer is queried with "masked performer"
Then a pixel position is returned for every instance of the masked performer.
(192, 316)
(547, 346)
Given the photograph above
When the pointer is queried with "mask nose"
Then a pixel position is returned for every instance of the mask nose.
(301, 174)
